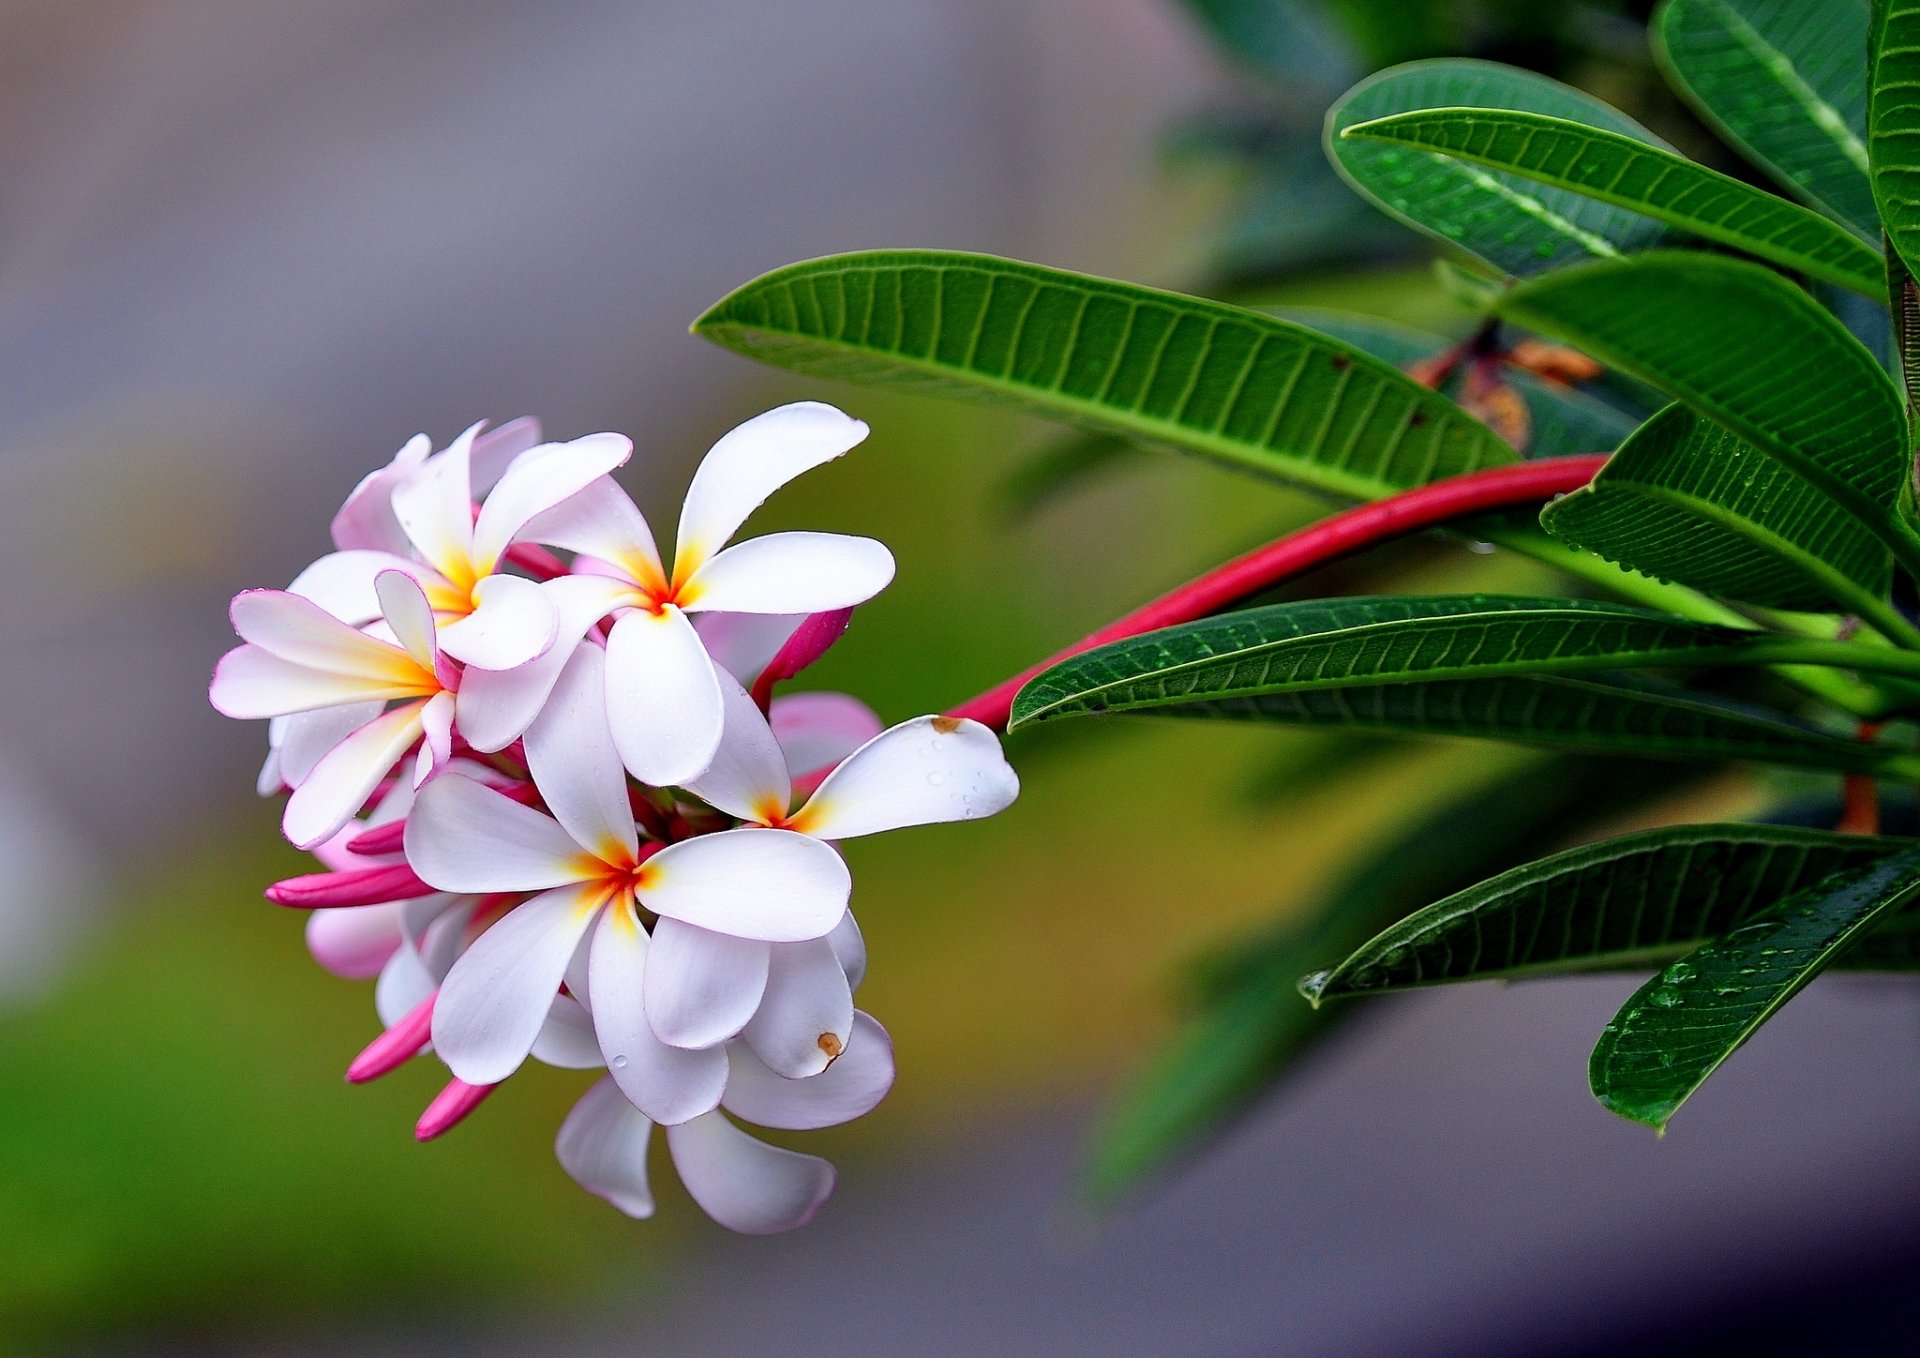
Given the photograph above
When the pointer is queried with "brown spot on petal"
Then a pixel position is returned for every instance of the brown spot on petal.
(946, 726)
(831, 1045)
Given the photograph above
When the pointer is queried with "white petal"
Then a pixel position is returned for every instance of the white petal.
(818, 730)
(806, 1016)
(495, 450)
(366, 519)
(663, 697)
(849, 1088)
(465, 837)
(495, 1000)
(537, 481)
(301, 631)
(702, 987)
(513, 621)
(748, 775)
(339, 785)
(436, 731)
(570, 754)
(851, 949)
(354, 941)
(404, 606)
(744, 1184)
(743, 643)
(566, 1039)
(250, 683)
(791, 573)
(342, 582)
(603, 1146)
(269, 780)
(601, 522)
(751, 462)
(497, 706)
(668, 1084)
(309, 736)
(767, 884)
(437, 928)
(921, 772)
(404, 982)
(435, 508)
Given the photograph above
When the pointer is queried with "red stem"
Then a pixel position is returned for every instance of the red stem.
(1349, 531)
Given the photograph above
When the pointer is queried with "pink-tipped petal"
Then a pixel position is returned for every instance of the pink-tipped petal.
(366, 520)
(355, 887)
(570, 754)
(494, 450)
(849, 1088)
(513, 622)
(497, 706)
(403, 604)
(450, 1108)
(791, 573)
(818, 730)
(538, 480)
(250, 683)
(921, 772)
(668, 1084)
(603, 1146)
(461, 836)
(301, 631)
(772, 885)
(745, 1184)
(663, 697)
(810, 640)
(341, 782)
(748, 464)
(396, 1046)
(701, 987)
(806, 1016)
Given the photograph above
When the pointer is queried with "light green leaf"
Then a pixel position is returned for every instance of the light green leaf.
(1685, 501)
(1628, 173)
(1893, 126)
(1237, 385)
(1747, 349)
(1623, 902)
(1679, 1027)
(1518, 226)
(1784, 81)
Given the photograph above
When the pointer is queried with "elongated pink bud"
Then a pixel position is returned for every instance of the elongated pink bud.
(449, 1107)
(810, 640)
(358, 886)
(395, 1047)
(382, 839)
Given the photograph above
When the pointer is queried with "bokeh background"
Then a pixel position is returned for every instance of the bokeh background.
(246, 250)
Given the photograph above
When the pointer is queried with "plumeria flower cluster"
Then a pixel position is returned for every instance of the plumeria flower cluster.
(561, 812)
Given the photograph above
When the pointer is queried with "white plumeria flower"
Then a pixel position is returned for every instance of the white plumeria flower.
(663, 689)
(741, 1182)
(298, 659)
(921, 772)
(745, 887)
(488, 620)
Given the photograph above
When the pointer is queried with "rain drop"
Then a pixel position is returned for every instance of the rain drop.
(619, 1063)
(936, 778)
(1664, 997)
(1680, 971)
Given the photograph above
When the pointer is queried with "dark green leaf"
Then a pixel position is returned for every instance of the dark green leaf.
(1518, 226)
(1639, 899)
(1628, 173)
(1893, 126)
(1685, 501)
(1783, 81)
(1679, 1027)
(1233, 384)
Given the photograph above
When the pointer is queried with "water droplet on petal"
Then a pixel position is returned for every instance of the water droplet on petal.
(619, 1063)
(936, 778)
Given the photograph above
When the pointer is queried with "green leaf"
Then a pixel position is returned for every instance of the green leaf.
(1893, 126)
(1782, 80)
(1628, 173)
(1747, 349)
(1619, 903)
(1237, 385)
(1679, 1027)
(1685, 501)
(1518, 226)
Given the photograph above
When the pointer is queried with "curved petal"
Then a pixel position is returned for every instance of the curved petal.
(497, 706)
(538, 480)
(403, 985)
(497, 996)
(300, 631)
(921, 772)
(309, 735)
(668, 1084)
(744, 1184)
(404, 606)
(435, 508)
(250, 683)
(601, 522)
(339, 785)
(366, 520)
(806, 1016)
(570, 754)
(436, 731)
(603, 1146)
(743, 643)
(752, 883)
(849, 1088)
(566, 1039)
(851, 949)
(748, 775)
(342, 582)
(355, 941)
(818, 730)
(702, 987)
(464, 837)
(663, 697)
(513, 621)
(790, 573)
(750, 463)
(494, 450)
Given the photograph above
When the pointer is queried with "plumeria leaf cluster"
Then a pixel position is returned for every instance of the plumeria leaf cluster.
(1689, 390)
(563, 814)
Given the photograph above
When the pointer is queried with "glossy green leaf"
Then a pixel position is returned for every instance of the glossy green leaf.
(1233, 384)
(1685, 501)
(1518, 226)
(1784, 81)
(1893, 126)
(1628, 173)
(1747, 349)
(1629, 901)
(1680, 1026)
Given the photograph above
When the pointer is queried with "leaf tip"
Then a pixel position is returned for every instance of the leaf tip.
(1313, 985)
